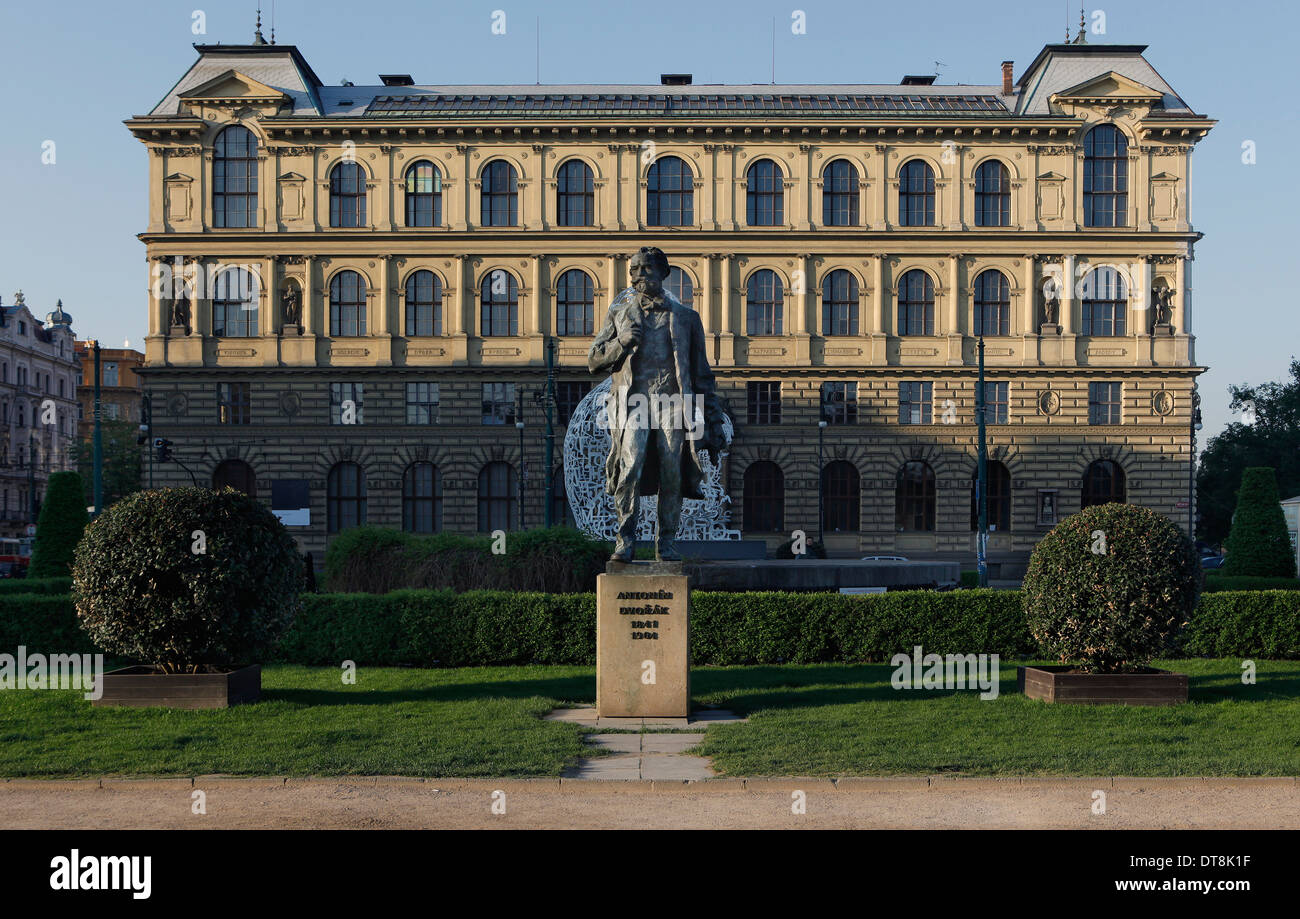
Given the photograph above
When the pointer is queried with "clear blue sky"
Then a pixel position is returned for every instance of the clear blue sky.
(72, 71)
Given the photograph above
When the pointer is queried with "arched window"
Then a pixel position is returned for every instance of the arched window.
(992, 195)
(423, 304)
(575, 303)
(499, 303)
(423, 195)
(345, 497)
(764, 500)
(499, 195)
(1105, 177)
(236, 474)
(765, 195)
(841, 492)
(678, 283)
(561, 513)
(1105, 302)
(916, 195)
(1103, 482)
(764, 303)
(347, 304)
(999, 482)
(422, 498)
(670, 193)
(840, 303)
(916, 303)
(914, 498)
(840, 194)
(992, 303)
(497, 500)
(234, 178)
(234, 304)
(575, 202)
(347, 195)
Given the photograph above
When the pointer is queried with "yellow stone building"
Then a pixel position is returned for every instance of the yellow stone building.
(352, 289)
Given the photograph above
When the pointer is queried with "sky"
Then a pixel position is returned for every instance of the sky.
(74, 70)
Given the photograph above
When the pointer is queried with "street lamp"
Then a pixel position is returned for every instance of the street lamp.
(519, 426)
(1191, 463)
(821, 484)
(982, 474)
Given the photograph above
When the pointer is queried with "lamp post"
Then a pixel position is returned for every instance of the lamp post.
(519, 426)
(99, 440)
(981, 482)
(821, 483)
(549, 398)
(1195, 425)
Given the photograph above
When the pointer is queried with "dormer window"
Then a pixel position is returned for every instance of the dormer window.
(22, 327)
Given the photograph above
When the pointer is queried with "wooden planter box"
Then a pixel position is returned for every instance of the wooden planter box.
(145, 687)
(1053, 683)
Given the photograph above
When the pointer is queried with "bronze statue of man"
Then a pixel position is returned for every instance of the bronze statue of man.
(663, 407)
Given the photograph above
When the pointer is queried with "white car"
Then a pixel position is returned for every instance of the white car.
(883, 558)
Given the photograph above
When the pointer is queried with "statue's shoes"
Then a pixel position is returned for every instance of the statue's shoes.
(623, 555)
(667, 554)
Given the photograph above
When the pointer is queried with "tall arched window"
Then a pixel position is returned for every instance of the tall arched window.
(765, 303)
(765, 195)
(916, 194)
(499, 195)
(841, 492)
(234, 304)
(347, 195)
(840, 303)
(236, 474)
(347, 304)
(499, 304)
(915, 303)
(423, 195)
(992, 303)
(422, 498)
(840, 194)
(234, 178)
(1105, 177)
(670, 193)
(423, 304)
(497, 501)
(561, 513)
(992, 195)
(1103, 482)
(575, 303)
(999, 482)
(914, 498)
(764, 499)
(1105, 302)
(678, 283)
(345, 497)
(575, 191)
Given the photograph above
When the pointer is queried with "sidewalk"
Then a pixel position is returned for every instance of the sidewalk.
(935, 802)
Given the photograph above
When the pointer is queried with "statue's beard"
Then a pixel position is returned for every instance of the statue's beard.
(648, 286)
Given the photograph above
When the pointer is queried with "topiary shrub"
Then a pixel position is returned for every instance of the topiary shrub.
(1259, 545)
(59, 528)
(1110, 587)
(187, 578)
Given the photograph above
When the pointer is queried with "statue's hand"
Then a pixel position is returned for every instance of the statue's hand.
(631, 337)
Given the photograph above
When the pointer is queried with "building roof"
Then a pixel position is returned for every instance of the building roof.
(280, 66)
(1060, 67)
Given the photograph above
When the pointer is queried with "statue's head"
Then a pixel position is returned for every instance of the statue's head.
(648, 270)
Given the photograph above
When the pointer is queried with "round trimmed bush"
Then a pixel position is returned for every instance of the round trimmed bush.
(144, 591)
(1110, 587)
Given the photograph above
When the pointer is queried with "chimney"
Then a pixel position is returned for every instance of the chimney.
(674, 79)
(1007, 85)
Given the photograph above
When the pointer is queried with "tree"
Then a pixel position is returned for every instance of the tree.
(1259, 545)
(1272, 440)
(121, 461)
(62, 521)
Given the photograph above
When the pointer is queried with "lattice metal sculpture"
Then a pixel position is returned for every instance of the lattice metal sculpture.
(586, 445)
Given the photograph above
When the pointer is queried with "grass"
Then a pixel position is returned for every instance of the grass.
(804, 720)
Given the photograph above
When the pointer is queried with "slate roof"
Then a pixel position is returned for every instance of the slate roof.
(1059, 67)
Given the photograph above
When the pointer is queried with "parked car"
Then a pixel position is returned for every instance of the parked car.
(1211, 562)
(883, 558)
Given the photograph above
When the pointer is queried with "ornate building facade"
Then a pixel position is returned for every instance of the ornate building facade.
(121, 388)
(352, 289)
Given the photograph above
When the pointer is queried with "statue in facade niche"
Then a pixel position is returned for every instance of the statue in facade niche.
(1163, 300)
(181, 311)
(291, 305)
(1051, 303)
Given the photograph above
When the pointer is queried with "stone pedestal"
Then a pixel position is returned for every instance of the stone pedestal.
(1162, 328)
(291, 329)
(642, 641)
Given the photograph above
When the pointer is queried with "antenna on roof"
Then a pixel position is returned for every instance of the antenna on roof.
(1081, 38)
(937, 65)
(1067, 21)
(257, 34)
(273, 22)
(539, 51)
(773, 49)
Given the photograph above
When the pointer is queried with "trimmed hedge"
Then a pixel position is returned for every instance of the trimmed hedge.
(1216, 583)
(44, 623)
(35, 586)
(1263, 623)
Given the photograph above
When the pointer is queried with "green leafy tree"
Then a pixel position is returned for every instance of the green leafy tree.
(62, 521)
(1273, 440)
(1258, 545)
(122, 464)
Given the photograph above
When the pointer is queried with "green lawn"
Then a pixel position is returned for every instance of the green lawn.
(804, 720)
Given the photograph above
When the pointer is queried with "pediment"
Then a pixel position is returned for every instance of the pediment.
(1164, 177)
(179, 177)
(1051, 177)
(292, 177)
(234, 87)
(1109, 88)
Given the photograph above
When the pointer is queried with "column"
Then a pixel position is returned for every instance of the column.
(878, 296)
(1183, 295)
(726, 338)
(1067, 295)
(1027, 307)
(309, 296)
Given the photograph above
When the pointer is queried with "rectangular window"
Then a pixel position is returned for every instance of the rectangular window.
(346, 401)
(763, 402)
(421, 403)
(112, 411)
(1104, 403)
(233, 403)
(914, 403)
(498, 403)
(840, 403)
(110, 373)
(568, 393)
(995, 403)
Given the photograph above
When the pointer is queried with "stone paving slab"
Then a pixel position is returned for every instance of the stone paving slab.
(586, 716)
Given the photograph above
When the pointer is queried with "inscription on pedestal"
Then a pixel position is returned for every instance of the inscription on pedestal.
(642, 650)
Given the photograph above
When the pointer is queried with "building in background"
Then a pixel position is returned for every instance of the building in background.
(38, 407)
(121, 388)
(1291, 511)
(353, 288)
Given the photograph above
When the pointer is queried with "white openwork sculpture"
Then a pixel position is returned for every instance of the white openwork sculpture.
(586, 445)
